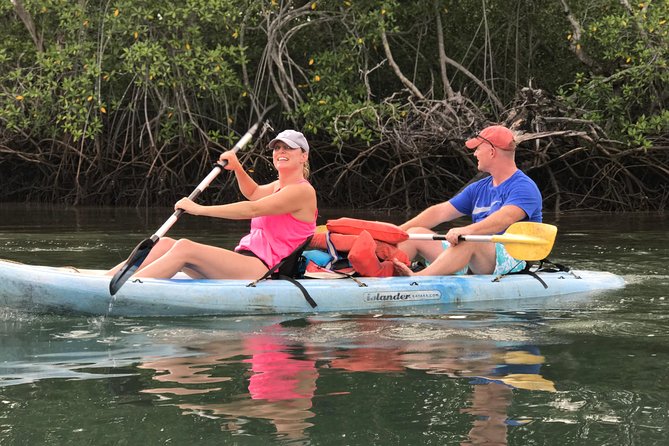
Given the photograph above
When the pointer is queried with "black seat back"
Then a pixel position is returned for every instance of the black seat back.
(289, 269)
(289, 266)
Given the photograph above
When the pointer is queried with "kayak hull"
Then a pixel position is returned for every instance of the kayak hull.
(44, 289)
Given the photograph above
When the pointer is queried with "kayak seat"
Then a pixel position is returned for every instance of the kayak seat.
(542, 266)
(290, 268)
(292, 265)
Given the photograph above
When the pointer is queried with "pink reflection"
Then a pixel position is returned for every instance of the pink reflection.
(280, 387)
(276, 374)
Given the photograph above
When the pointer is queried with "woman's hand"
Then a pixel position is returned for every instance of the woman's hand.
(232, 161)
(188, 206)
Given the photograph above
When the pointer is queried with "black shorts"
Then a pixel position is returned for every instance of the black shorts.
(246, 252)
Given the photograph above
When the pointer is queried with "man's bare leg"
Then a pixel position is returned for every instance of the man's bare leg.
(479, 256)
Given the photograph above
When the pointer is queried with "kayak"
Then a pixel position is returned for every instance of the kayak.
(68, 290)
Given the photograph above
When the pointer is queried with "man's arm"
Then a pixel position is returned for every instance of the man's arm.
(433, 216)
(498, 221)
(494, 223)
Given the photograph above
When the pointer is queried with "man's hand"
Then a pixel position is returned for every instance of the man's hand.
(453, 235)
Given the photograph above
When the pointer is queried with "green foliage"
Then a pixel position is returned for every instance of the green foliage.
(102, 58)
(630, 95)
(96, 57)
(337, 101)
(141, 86)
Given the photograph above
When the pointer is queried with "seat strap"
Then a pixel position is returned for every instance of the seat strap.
(275, 272)
(528, 270)
(544, 266)
(310, 300)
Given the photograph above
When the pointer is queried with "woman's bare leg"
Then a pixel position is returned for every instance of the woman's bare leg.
(160, 248)
(208, 261)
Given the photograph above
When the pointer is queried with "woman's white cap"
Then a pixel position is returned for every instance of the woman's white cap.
(292, 139)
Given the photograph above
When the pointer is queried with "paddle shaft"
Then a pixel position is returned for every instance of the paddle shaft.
(480, 238)
(203, 184)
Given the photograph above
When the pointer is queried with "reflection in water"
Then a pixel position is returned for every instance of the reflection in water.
(280, 368)
(280, 386)
(277, 373)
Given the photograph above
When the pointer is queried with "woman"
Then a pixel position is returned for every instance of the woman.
(283, 214)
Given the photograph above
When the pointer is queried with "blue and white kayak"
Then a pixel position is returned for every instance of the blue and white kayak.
(45, 289)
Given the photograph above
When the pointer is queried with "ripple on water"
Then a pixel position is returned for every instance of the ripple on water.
(77, 334)
(643, 279)
(610, 328)
(15, 316)
(409, 329)
(418, 332)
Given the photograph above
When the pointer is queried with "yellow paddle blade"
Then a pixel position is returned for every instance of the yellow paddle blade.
(528, 240)
(321, 228)
(528, 381)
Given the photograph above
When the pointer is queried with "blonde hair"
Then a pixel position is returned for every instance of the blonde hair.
(306, 170)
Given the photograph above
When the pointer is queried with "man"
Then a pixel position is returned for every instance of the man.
(494, 203)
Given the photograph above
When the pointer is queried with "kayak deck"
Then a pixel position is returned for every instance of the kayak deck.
(46, 289)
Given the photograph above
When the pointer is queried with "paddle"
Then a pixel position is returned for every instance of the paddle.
(523, 240)
(144, 247)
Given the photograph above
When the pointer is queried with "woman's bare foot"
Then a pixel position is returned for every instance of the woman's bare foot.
(401, 269)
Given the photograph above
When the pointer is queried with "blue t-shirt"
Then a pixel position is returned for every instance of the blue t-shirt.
(481, 198)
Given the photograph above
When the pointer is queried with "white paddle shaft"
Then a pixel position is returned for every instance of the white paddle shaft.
(469, 238)
(204, 183)
(497, 238)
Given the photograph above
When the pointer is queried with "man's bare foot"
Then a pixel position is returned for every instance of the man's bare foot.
(401, 269)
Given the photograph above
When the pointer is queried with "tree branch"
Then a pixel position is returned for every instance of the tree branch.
(27, 20)
(398, 72)
(575, 42)
(448, 90)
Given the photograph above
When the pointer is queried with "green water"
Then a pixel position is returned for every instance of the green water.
(585, 370)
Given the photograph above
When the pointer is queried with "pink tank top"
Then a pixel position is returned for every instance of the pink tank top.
(273, 237)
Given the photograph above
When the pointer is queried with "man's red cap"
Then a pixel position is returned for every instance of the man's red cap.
(497, 135)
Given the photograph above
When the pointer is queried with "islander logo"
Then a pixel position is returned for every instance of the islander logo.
(395, 296)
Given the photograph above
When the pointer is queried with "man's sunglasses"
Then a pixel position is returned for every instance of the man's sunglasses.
(486, 140)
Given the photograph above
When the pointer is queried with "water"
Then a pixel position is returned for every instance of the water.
(587, 370)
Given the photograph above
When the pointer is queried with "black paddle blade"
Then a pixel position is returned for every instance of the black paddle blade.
(136, 258)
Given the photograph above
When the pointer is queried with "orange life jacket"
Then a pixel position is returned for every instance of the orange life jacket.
(371, 245)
